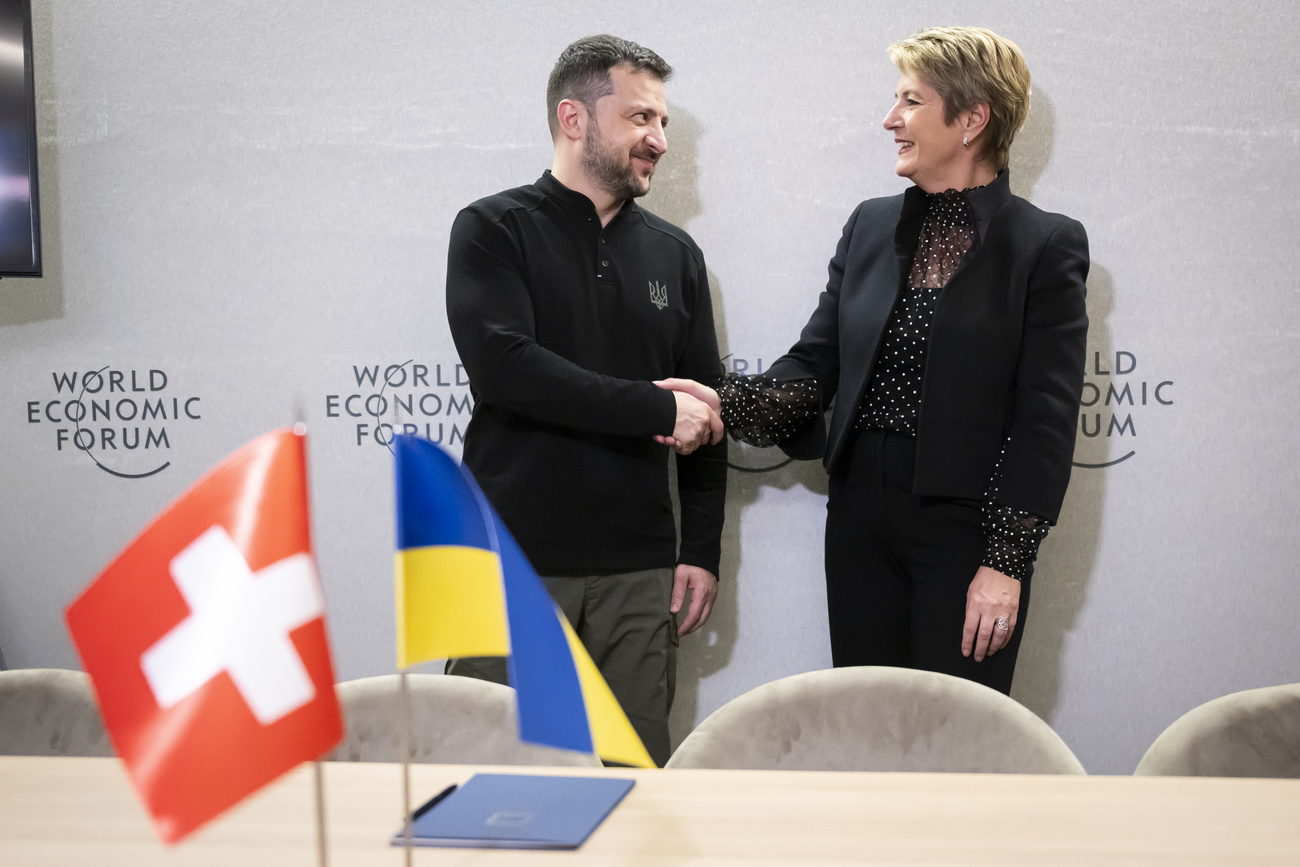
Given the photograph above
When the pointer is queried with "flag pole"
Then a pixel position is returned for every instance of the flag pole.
(318, 774)
(322, 852)
(407, 725)
(406, 765)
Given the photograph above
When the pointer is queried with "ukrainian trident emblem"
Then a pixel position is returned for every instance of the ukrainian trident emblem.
(658, 295)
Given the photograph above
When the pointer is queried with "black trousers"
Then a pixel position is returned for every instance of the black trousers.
(898, 567)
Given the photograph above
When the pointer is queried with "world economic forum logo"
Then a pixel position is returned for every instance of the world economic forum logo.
(123, 419)
(1119, 399)
(428, 400)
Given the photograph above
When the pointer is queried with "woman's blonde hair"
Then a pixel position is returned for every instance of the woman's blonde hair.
(969, 66)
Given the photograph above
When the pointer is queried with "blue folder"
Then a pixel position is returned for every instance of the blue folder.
(517, 811)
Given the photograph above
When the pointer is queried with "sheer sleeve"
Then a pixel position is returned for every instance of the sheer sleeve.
(1011, 535)
(763, 411)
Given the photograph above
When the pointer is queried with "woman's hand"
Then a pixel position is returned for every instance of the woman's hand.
(702, 393)
(694, 389)
(991, 597)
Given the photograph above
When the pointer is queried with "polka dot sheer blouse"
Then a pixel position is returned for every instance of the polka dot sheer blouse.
(762, 411)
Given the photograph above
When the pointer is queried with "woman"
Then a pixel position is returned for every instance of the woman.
(950, 339)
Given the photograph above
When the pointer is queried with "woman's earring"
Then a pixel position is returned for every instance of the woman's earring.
(965, 140)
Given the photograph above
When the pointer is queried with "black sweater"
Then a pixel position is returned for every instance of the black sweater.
(562, 325)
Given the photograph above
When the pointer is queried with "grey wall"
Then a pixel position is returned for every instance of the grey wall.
(254, 199)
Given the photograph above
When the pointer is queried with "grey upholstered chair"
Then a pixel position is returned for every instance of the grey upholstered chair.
(456, 720)
(1255, 733)
(49, 712)
(873, 718)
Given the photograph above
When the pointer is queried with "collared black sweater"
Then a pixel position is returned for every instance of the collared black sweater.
(562, 325)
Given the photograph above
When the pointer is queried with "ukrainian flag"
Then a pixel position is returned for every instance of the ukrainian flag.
(464, 588)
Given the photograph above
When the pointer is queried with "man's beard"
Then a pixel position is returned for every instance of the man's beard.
(606, 168)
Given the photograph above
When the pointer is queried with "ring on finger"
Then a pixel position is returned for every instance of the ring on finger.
(1003, 624)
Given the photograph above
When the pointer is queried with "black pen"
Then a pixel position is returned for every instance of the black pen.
(432, 802)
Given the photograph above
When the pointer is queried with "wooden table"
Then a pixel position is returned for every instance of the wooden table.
(82, 811)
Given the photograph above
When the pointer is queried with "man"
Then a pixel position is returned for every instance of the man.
(567, 301)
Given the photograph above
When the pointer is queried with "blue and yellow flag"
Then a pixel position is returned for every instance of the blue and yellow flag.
(464, 588)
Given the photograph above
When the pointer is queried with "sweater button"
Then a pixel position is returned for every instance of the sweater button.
(604, 263)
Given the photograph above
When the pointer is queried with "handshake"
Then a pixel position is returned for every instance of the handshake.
(699, 415)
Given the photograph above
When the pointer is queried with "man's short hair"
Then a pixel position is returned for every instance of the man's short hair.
(967, 66)
(582, 72)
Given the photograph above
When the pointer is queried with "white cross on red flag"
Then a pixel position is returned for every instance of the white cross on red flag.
(205, 640)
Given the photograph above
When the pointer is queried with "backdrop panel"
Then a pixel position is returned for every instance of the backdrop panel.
(246, 212)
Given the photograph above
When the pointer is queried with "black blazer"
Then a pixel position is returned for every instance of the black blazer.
(1006, 355)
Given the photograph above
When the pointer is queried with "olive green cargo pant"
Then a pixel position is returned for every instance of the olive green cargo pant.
(624, 622)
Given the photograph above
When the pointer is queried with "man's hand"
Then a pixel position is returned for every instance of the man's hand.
(991, 597)
(698, 421)
(696, 425)
(704, 590)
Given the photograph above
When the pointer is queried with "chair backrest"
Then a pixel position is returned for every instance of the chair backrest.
(873, 718)
(50, 712)
(456, 720)
(1255, 733)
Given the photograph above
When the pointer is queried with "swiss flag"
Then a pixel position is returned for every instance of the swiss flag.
(205, 640)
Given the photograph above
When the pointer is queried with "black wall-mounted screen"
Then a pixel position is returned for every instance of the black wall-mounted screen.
(20, 214)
